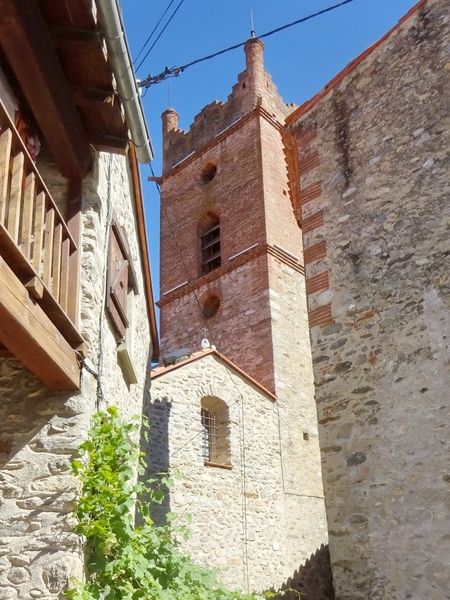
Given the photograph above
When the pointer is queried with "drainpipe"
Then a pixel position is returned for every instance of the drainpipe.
(119, 55)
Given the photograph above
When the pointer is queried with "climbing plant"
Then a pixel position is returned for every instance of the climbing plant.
(128, 558)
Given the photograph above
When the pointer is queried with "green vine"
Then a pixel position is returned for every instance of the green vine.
(125, 560)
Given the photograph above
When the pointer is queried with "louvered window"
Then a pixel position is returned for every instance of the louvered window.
(210, 247)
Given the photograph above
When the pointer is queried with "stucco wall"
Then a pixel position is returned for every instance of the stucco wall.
(40, 430)
(380, 353)
(242, 520)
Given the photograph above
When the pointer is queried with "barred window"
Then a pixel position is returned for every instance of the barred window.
(209, 439)
(215, 431)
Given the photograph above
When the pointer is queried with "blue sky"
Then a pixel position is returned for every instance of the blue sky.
(301, 60)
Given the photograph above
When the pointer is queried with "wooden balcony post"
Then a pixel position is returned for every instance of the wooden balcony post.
(39, 266)
(5, 154)
(74, 220)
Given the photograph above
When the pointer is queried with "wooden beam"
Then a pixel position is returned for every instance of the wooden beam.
(29, 50)
(88, 96)
(71, 37)
(25, 271)
(109, 143)
(32, 338)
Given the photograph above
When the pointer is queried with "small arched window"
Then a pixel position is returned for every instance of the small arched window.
(209, 172)
(209, 234)
(215, 431)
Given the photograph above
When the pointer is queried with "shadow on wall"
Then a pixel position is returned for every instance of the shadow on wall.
(313, 579)
(38, 437)
(31, 416)
(157, 449)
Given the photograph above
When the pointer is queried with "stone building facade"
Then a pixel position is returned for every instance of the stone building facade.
(41, 430)
(242, 519)
(42, 425)
(234, 273)
(372, 158)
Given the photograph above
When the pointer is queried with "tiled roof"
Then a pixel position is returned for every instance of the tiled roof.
(162, 370)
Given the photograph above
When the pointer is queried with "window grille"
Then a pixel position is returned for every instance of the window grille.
(209, 437)
(210, 248)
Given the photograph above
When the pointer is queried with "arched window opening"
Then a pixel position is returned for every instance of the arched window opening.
(210, 305)
(215, 432)
(209, 172)
(209, 233)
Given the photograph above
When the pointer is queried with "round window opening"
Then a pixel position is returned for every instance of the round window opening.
(211, 306)
(209, 172)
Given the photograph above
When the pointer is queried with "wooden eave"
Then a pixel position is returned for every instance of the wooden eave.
(145, 261)
(58, 55)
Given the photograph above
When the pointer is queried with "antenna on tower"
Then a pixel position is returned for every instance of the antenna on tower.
(252, 24)
(169, 92)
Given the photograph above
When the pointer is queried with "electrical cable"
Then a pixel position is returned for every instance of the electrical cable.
(160, 34)
(240, 398)
(244, 497)
(176, 71)
(183, 262)
(144, 45)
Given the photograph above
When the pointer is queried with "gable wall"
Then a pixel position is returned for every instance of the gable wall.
(242, 521)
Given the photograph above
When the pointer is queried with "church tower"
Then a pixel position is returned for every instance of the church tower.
(232, 271)
(231, 252)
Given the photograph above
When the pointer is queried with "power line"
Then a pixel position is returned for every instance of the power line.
(160, 33)
(175, 71)
(183, 262)
(144, 45)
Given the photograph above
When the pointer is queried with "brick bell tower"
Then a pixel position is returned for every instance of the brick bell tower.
(231, 254)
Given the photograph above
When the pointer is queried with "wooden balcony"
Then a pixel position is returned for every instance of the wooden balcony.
(39, 269)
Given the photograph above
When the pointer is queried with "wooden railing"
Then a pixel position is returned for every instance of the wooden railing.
(34, 237)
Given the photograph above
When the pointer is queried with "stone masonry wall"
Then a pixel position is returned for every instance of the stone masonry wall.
(242, 521)
(376, 253)
(40, 430)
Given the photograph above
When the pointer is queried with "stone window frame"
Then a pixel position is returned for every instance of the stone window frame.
(215, 422)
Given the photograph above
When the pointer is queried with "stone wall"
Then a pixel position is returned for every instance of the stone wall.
(40, 430)
(243, 522)
(376, 244)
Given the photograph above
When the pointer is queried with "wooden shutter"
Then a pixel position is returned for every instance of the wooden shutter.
(120, 279)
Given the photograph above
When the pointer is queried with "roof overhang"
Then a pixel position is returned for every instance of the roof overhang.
(77, 82)
(228, 364)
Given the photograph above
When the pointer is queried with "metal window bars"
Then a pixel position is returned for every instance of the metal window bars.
(210, 435)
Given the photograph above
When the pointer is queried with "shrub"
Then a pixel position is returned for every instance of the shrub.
(125, 560)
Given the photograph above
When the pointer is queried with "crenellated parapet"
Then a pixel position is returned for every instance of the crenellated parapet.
(254, 87)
